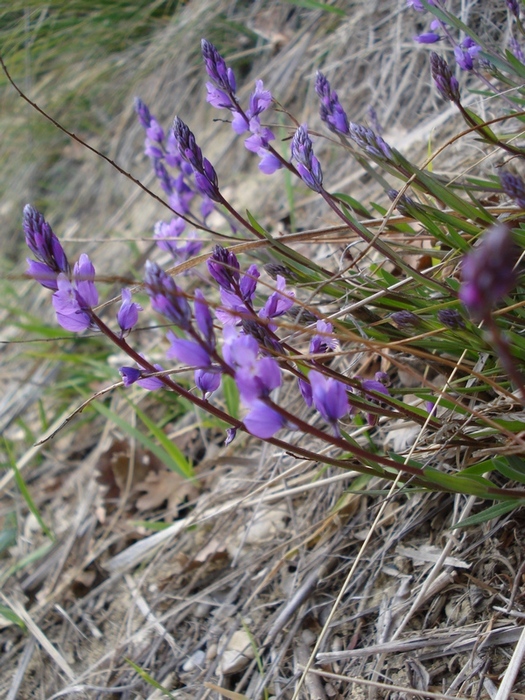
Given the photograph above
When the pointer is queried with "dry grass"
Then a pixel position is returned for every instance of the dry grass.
(274, 579)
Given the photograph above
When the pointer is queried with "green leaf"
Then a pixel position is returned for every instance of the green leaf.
(495, 511)
(231, 395)
(457, 483)
(315, 5)
(12, 617)
(146, 677)
(171, 457)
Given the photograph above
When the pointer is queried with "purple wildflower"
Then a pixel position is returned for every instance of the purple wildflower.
(255, 376)
(133, 375)
(128, 314)
(488, 272)
(277, 303)
(166, 235)
(45, 246)
(325, 342)
(203, 319)
(373, 385)
(263, 421)
(189, 352)
(73, 300)
(466, 52)
(308, 166)
(370, 142)
(306, 391)
(207, 381)
(516, 49)
(428, 38)
(445, 82)
(513, 187)
(514, 7)
(329, 398)
(418, 5)
(166, 297)
(330, 110)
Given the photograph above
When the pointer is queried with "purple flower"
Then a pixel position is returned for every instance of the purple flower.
(132, 375)
(166, 235)
(277, 303)
(428, 38)
(516, 49)
(308, 166)
(166, 297)
(268, 163)
(188, 352)
(445, 82)
(128, 314)
(143, 113)
(369, 141)
(325, 342)
(466, 52)
(418, 5)
(218, 98)
(255, 377)
(203, 319)
(222, 76)
(514, 7)
(306, 391)
(263, 421)
(330, 110)
(46, 247)
(488, 272)
(329, 398)
(369, 385)
(207, 381)
(73, 300)
(513, 187)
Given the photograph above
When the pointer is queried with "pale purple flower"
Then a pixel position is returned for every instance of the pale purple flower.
(306, 391)
(278, 303)
(329, 398)
(128, 314)
(255, 376)
(204, 319)
(73, 300)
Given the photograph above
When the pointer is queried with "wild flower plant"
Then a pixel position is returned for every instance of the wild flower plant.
(260, 328)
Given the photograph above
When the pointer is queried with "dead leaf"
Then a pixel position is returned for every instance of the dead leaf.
(165, 486)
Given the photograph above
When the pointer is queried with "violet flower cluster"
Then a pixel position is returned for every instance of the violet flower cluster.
(222, 95)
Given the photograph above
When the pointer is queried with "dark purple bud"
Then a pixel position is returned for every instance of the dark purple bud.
(248, 283)
(128, 314)
(383, 378)
(404, 203)
(451, 318)
(300, 314)
(330, 110)
(132, 375)
(513, 187)
(514, 7)
(488, 272)
(405, 320)
(223, 266)
(308, 166)
(275, 269)
(143, 113)
(216, 68)
(205, 175)
(366, 139)
(466, 52)
(166, 297)
(46, 247)
(445, 82)
(374, 121)
(262, 335)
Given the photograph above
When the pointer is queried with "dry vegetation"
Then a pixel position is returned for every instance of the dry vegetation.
(270, 565)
